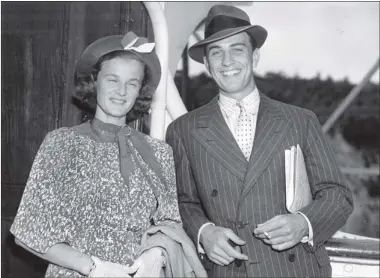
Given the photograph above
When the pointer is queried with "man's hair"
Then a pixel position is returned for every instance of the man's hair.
(85, 89)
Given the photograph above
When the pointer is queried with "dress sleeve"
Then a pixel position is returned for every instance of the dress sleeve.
(167, 210)
(43, 219)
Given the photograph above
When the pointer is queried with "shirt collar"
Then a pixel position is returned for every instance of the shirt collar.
(250, 103)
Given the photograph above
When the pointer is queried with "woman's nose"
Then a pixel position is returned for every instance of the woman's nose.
(123, 90)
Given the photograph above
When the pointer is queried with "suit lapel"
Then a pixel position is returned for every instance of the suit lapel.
(271, 129)
(214, 134)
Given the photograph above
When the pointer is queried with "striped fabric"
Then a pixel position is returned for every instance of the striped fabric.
(217, 184)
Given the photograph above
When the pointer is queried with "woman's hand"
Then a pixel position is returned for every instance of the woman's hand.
(149, 264)
(108, 269)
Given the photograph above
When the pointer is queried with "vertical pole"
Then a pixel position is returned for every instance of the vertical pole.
(160, 30)
(184, 78)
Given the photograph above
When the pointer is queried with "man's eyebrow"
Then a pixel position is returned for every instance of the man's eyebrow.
(238, 44)
(232, 45)
(213, 46)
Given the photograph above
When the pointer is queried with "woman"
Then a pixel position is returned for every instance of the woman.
(94, 189)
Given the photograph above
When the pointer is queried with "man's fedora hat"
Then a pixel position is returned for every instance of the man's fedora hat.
(224, 21)
(139, 46)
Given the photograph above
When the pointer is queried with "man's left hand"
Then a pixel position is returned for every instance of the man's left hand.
(149, 264)
(283, 231)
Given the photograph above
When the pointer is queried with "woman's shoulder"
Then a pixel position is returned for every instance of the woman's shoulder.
(63, 135)
(61, 132)
(156, 144)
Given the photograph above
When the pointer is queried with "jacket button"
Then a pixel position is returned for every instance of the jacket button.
(292, 257)
(214, 193)
(238, 263)
(240, 225)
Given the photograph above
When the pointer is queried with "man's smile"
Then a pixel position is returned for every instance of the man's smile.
(230, 72)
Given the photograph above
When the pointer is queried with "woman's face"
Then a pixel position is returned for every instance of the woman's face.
(118, 85)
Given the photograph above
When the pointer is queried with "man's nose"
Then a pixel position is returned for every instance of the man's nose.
(227, 59)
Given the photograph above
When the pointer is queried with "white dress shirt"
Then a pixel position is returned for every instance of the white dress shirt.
(230, 111)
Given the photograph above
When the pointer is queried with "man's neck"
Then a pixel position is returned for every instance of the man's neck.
(238, 96)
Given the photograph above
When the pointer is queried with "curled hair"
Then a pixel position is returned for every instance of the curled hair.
(85, 89)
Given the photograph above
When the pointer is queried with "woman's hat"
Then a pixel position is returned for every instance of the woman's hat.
(224, 21)
(139, 46)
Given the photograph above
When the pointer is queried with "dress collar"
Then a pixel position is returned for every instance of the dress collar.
(102, 126)
(107, 132)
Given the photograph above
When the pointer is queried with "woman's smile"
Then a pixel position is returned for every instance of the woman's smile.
(118, 101)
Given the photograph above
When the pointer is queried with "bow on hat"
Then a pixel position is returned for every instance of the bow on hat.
(139, 44)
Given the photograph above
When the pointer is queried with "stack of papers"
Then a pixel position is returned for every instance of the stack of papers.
(298, 193)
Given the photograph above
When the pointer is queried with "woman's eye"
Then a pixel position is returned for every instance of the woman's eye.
(134, 86)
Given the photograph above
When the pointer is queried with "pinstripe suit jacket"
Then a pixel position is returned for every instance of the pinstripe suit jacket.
(217, 184)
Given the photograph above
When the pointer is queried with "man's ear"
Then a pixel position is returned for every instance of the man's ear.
(206, 64)
(256, 57)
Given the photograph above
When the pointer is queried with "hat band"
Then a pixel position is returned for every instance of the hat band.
(222, 22)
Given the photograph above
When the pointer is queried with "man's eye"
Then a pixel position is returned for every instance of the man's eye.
(215, 53)
(238, 50)
(112, 80)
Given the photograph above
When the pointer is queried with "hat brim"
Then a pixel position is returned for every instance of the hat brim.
(106, 45)
(256, 32)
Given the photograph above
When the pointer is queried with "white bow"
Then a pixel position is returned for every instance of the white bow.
(143, 48)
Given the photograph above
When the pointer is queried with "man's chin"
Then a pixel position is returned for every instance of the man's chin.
(233, 90)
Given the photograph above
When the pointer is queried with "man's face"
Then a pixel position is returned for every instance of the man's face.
(230, 62)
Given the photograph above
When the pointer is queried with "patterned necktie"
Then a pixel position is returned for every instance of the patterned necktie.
(244, 132)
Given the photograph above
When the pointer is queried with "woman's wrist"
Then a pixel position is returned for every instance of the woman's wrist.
(92, 270)
(87, 265)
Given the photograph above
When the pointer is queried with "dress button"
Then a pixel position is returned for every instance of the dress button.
(214, 193)
(292, 257)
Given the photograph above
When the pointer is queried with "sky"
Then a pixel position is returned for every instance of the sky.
(337, 39)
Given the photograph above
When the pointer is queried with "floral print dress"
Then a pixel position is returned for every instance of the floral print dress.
(91, 188)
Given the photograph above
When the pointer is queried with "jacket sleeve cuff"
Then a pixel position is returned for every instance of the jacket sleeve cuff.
(307, 239)
(199, 247)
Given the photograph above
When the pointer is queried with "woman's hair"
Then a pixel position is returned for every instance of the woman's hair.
(85, 89)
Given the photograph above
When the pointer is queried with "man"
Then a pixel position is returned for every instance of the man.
(230, 163)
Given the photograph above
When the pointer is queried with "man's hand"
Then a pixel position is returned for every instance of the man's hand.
(214, 240)
(149, 264)
(283, 231)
